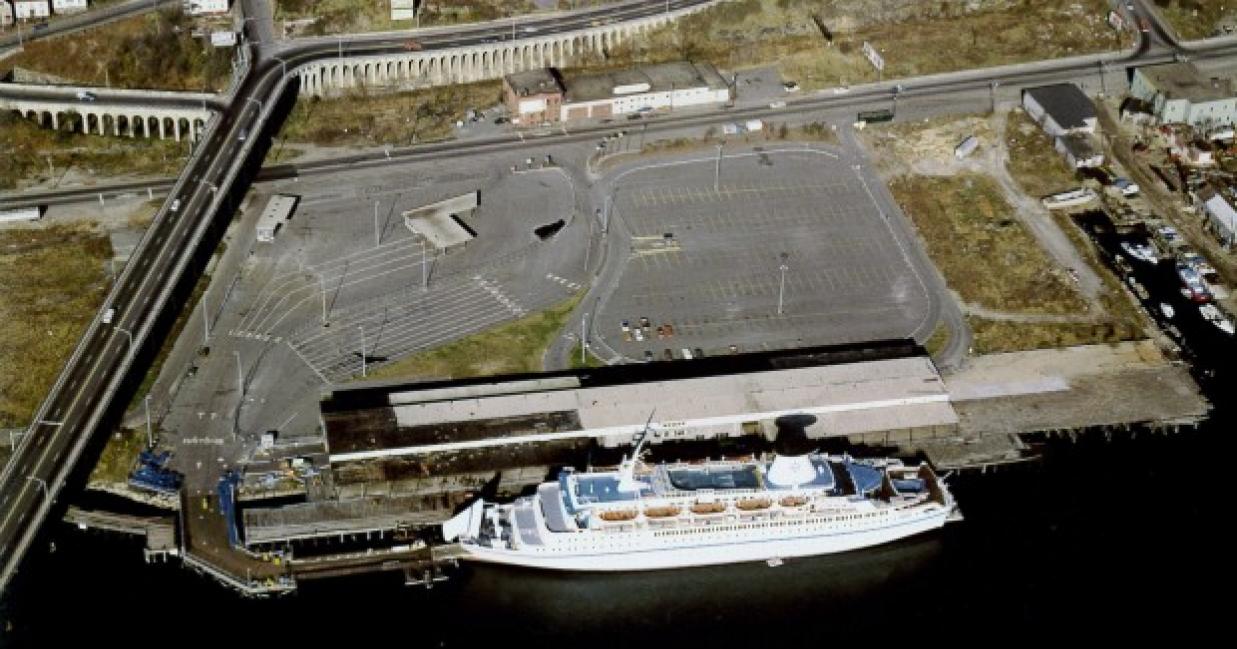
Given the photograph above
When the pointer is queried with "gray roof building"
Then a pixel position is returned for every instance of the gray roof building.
(648, 78)
(1060, 108)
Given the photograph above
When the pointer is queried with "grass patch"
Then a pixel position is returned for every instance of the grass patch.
(1193, 19)
(936, 342)
(118, 456)
(51, 284)
(511, 348)
(154, 50)
(401, 118)
(994, 337)
(1033, 163)
(28, 148)
(589, 359)
(947, 37)
(986, 254)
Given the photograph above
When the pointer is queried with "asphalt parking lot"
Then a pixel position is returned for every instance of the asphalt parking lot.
(707, 261)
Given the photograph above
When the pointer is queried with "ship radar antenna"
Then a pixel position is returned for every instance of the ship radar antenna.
(627, 470)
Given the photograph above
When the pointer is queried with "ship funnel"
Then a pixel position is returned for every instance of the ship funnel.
(791, 471)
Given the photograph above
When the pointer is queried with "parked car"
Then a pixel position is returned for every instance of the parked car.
(666, 354)
(84, 95)
(648, 356)
(174, 206)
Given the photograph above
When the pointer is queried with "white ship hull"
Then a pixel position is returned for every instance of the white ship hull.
(642, 553)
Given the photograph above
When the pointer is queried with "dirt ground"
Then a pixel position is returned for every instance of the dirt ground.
(1026, 279)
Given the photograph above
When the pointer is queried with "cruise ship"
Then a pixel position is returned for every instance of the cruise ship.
(696, 514)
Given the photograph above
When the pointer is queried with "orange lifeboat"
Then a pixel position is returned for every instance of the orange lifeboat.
(619, 515)
(752, 504)
(708, 508)
(661, 512)
(793, 501)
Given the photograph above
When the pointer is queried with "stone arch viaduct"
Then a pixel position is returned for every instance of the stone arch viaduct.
(148, 113)
(115, 112)
(406, 70)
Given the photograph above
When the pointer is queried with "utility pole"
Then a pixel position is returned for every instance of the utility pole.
(781, 289)
(364, 359)
(992, 89)
(1103, 82)
(717, 171)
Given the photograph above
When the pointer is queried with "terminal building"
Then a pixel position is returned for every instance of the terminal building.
(400, 434)
(1178, 93)
(544, 96)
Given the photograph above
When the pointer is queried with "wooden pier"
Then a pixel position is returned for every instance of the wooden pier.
(159, 531)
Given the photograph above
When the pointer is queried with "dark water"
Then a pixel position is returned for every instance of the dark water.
(1119, 537)
(1101, 535)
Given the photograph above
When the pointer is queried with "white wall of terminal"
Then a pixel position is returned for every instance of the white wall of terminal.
(631, 99)
(850, 399)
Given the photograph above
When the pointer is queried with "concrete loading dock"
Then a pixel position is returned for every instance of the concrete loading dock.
(439, 223)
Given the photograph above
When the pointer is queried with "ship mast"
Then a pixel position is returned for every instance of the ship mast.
(627, 469)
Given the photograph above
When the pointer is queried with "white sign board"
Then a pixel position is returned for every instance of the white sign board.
(531, 106)
(873, 56)
(223, 39)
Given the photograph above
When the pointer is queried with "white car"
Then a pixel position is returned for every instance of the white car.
(639, 334)
(841, 90)
(777, 104)
(108, 315)
(85, 96)
(174, 206)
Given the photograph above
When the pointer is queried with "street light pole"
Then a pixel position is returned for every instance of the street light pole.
(377, 232)
(205, 322)
(425, 277)
(584, 339)
(993, 86)
(364, 360)
(717, 171)
(150, 437)
(129, 334)
(42, 484)
(322, 288)
(240, 375)
(781, 289)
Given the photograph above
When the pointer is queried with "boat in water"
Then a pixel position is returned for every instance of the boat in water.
(695, 514)
(1074, 198)
(1142, 251)
(1213, 315)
